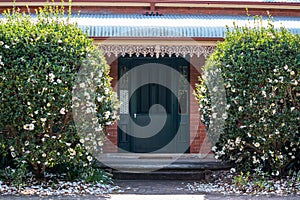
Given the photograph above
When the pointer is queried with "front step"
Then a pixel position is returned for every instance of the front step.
(161, 167)
(162, 175)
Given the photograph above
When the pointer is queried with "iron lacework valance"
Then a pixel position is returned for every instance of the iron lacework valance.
(157, 50)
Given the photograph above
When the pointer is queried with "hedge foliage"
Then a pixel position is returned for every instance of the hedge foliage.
(40, 57)
(259, 70)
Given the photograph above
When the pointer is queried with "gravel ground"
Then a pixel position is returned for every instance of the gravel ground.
(220, 186)
(62, 188)
(223, 183)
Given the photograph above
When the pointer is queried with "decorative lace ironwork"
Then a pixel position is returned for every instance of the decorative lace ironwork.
(157, 50)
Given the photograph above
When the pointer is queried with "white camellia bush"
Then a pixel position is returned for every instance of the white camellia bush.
(39, 62)
(260, 72)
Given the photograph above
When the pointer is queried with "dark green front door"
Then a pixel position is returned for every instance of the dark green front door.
(151, 119)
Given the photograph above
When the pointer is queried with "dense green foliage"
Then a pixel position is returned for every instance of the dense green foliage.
(259, 69)
(40, 57)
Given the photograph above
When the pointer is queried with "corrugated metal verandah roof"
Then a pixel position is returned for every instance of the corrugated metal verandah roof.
(188, 26)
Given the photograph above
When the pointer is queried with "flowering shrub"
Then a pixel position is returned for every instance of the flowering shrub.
(39, 61)
(259, 70)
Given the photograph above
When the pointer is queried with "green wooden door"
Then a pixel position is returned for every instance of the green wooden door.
(155, 101)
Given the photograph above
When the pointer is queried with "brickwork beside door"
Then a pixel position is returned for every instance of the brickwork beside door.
(111, 145)
(197, 128)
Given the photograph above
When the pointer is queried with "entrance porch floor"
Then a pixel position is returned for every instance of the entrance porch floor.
(160, 166)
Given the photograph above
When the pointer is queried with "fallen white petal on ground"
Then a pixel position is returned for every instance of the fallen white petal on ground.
(61, 188)
(225, 185)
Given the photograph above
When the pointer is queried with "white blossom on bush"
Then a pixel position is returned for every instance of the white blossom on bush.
(260, 70)
(38, 73)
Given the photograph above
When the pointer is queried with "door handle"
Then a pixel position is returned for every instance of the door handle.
(134, 115)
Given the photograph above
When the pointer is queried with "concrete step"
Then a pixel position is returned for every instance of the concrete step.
(161, 166)
(162, 175)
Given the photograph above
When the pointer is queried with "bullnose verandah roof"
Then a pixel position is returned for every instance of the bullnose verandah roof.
(138, 25)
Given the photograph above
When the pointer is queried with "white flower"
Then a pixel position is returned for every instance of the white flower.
(26, 143)
(51, 77)
(214, 115)
(68, 144)
(76, 104)
(62, 111)
(264, 93)
(276, 174)
(81, 85)
(295, 82)
(237, 140)
(99, 99)
(99, 128)
(224, 116)
(59, 41)
(256, 144)
(28, 127)
(72, 152)
(13, 154)
(232, 170)
(58, 81)
(43, 119)
(214, 148)
(106, 90)
(228, 85)
(87, 95)
(6, 46)
(44, 155)
(286, 67)
(255, 160)
(281, 79)
(292, 73)
(89, 158)
(81, 140)
(228, 106)
(241, 108)
(95, 120)
(48, 104)
(106, 114)
(100, 143)
(11, 148)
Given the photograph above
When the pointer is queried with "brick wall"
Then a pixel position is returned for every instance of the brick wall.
(197, 128)
(112, 142)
